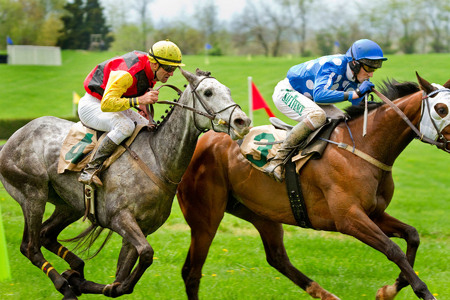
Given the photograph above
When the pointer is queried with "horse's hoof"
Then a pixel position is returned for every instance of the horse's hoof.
(74, 279)
(387, 292)
(110, 290)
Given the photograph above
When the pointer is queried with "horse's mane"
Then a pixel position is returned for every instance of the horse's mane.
(168, 112)
(391, 88)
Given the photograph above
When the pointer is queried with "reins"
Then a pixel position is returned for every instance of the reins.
(375, 162)
(405, 118)
(211, 115)
(440, 145)
(166, 184)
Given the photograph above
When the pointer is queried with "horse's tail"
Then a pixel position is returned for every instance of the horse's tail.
(87, 238)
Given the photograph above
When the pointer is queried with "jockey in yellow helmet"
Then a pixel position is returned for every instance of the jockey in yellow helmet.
(114, 87)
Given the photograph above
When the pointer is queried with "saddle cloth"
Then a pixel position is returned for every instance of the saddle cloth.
(262, 143)
(81, 143)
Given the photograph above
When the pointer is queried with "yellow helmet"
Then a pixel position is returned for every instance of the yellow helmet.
(165, 53)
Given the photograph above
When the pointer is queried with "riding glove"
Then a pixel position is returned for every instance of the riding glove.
(364, 88)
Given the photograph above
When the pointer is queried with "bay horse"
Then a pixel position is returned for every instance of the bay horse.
(342, 192)
(130, 203)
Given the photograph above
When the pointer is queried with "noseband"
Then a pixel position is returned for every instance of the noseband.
(209, 114)
(440, 145)
(426, 105)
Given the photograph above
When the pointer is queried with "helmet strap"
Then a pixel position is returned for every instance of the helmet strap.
(355, 66)
(157, 61)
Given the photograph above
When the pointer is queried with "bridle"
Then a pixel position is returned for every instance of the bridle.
(208, 114)
(425, 105)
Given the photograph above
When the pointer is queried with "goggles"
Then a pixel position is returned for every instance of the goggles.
(168, 69)
(368, 69)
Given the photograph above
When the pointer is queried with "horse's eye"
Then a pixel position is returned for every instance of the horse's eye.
(442, 110)
(208, 93)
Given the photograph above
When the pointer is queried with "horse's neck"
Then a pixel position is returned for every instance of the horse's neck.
(175, 140)
(387, 133)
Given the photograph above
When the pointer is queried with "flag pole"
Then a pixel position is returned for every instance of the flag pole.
(250, 98)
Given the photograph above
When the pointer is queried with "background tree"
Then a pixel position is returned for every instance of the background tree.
(438, 25)
(73, 34)
(297, 11)
(95, 23)
(30, 22)
(208, 24)
(325, 43)
(141, 7)
(264, 27)
(81, 21)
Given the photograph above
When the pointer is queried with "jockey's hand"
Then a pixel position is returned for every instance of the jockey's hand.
(364, 88)
(149, 98)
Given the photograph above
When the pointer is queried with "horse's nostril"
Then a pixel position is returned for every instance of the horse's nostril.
(239, 122)
(242, 122)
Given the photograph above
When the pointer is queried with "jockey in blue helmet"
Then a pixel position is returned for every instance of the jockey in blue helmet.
(365, 53)
(325, 81)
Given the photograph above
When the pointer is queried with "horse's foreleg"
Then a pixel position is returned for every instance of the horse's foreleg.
(356, 223)
(52, 227)
(272, 237)
(125, 225)
(192, 269)
(203, 206)
(395, 228)
(127, 259)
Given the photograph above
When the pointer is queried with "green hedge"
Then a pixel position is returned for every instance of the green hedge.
(8, 127)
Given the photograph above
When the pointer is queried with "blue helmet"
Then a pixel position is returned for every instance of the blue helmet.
(366, 51)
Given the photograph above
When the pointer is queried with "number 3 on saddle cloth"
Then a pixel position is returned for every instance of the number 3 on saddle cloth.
(261, 144)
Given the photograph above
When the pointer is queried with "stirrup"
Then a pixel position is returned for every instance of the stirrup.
(271, 171)
(93, 178)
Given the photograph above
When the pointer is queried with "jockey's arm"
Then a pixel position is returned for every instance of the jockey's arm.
(323, 95)
(118, 84)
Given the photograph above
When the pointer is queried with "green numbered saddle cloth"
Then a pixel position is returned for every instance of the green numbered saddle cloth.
(261, 144)
(80, 145)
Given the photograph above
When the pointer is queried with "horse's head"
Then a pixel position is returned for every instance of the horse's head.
(217, 109)
(435, 122)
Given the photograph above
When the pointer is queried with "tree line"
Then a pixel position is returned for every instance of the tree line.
(271, 28)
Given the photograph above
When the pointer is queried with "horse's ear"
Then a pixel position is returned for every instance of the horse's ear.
(191, 78)
(202, 73)
(447, 84)
(425, 85)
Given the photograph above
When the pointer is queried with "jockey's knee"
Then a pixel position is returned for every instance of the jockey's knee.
(122, 129)
(316, 118)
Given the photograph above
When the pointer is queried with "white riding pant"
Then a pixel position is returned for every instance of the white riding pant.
(119, 125)
(297, 106)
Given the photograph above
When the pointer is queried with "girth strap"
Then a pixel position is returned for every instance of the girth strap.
(163, 185)
(296, 196)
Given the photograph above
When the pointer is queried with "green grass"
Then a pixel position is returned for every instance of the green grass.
(236, 266)
(34, 91)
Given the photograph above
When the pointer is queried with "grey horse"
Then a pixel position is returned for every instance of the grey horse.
(130, 203)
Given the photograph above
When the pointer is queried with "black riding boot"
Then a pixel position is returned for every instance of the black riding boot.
(89, 174)
(275, 168)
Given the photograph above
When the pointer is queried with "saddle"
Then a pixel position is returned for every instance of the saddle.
(262, 143)
(82, 142)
